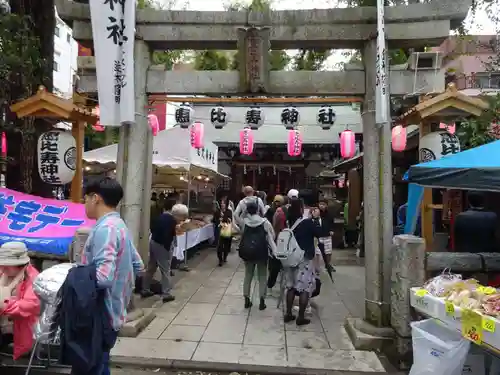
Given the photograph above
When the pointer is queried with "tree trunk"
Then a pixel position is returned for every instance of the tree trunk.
(42, 15)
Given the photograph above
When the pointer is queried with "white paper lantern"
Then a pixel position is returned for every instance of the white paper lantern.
(254, 118)
(56, 157)
(218, 117)
(326, 117)
(435, 145)
(184, 115)
(290, 118)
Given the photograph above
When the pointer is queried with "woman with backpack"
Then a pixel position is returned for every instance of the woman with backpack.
(301, 279)
(256, 245)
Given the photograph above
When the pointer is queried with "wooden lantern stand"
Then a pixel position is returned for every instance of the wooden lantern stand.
(446, 107)
(51, 107)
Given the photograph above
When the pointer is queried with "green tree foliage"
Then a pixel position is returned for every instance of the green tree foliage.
(278, 59)
(32, 25)
(477, 131)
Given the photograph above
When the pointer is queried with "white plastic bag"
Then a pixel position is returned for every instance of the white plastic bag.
(437, 349)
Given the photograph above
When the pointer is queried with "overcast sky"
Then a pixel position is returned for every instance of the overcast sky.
(481, 24)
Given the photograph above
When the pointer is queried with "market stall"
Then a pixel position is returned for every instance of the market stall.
(474, 169)
(177, 165)
(462, 308)
(46, 226)
(434, 143)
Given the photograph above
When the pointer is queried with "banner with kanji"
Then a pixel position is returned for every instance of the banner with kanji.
(44, 225)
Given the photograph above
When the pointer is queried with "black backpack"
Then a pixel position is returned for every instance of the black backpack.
(253, 245)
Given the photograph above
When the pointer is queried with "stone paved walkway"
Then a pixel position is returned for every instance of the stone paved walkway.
(207, 323)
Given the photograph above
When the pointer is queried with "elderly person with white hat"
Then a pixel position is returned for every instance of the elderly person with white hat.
(19, 305)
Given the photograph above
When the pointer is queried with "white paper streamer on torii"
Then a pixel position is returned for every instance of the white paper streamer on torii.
(381, 89)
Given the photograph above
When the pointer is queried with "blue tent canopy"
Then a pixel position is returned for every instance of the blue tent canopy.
(474, 169)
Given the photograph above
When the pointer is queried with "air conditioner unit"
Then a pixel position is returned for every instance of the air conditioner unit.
(425, 60)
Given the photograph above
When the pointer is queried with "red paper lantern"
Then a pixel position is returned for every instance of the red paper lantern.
(4, 145)
(347, 144)
(294, 146)
(398, 138)
(246, 141)
(197, 131)
(449, 128)
(341, 184)
(154, 124)
(97, 126)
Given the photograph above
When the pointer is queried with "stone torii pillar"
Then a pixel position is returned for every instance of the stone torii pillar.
(135, 157)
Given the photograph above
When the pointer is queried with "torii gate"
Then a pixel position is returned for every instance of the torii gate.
(411, 26)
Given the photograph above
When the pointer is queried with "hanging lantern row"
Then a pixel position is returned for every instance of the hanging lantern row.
(254, 117)
(347, 144)
(294, 145)
(97, 126)
(449, 128)
(398, 138)
(290, 118)
(246, 141)
(196, 134)
(4, 145)
(154, 124)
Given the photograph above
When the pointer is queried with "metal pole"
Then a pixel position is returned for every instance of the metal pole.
(382, 119)
(185, 267)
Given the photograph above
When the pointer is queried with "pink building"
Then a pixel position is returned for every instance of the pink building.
(468, 62)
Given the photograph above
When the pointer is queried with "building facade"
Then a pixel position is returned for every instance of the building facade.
(472, 63)
(65, 59)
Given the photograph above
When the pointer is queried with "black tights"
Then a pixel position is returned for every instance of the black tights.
(303, 302)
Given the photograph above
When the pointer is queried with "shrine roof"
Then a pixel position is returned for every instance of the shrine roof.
(49, 106)
(448, 106)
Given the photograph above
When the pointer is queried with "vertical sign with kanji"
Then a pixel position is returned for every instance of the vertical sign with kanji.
(113, 29)
(381, 77)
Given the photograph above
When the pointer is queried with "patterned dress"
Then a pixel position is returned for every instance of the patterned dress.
(301, 278)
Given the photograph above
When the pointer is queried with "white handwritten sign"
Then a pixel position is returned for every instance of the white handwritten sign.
(381, 89)
(113, 30)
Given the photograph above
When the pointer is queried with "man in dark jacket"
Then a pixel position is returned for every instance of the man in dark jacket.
(86, 331)
(475, 229)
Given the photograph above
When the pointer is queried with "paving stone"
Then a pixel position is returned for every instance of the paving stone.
(208, 295)
(340, 360)
(156, 327)
(307, 340)
(228, 329)
(183, 333)
(264, 331)
(339, 339)
(216, 352)
(232, 305)
(154, 349)
(196, 314)
(314, 326)
(263, 355)
(208, 322)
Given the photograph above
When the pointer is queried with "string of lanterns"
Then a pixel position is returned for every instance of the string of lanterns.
(254, 119)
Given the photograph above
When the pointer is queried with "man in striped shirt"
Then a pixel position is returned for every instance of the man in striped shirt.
(111, 249)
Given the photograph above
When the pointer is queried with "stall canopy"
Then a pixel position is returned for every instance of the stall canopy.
(474, 169)
(172, 155)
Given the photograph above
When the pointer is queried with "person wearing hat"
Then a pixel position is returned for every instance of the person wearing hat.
(19, 305)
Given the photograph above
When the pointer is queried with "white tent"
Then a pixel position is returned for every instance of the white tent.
(172, 156)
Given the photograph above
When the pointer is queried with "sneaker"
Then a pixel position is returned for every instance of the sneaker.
(168, 298)
(295, 309)
(147, 294)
